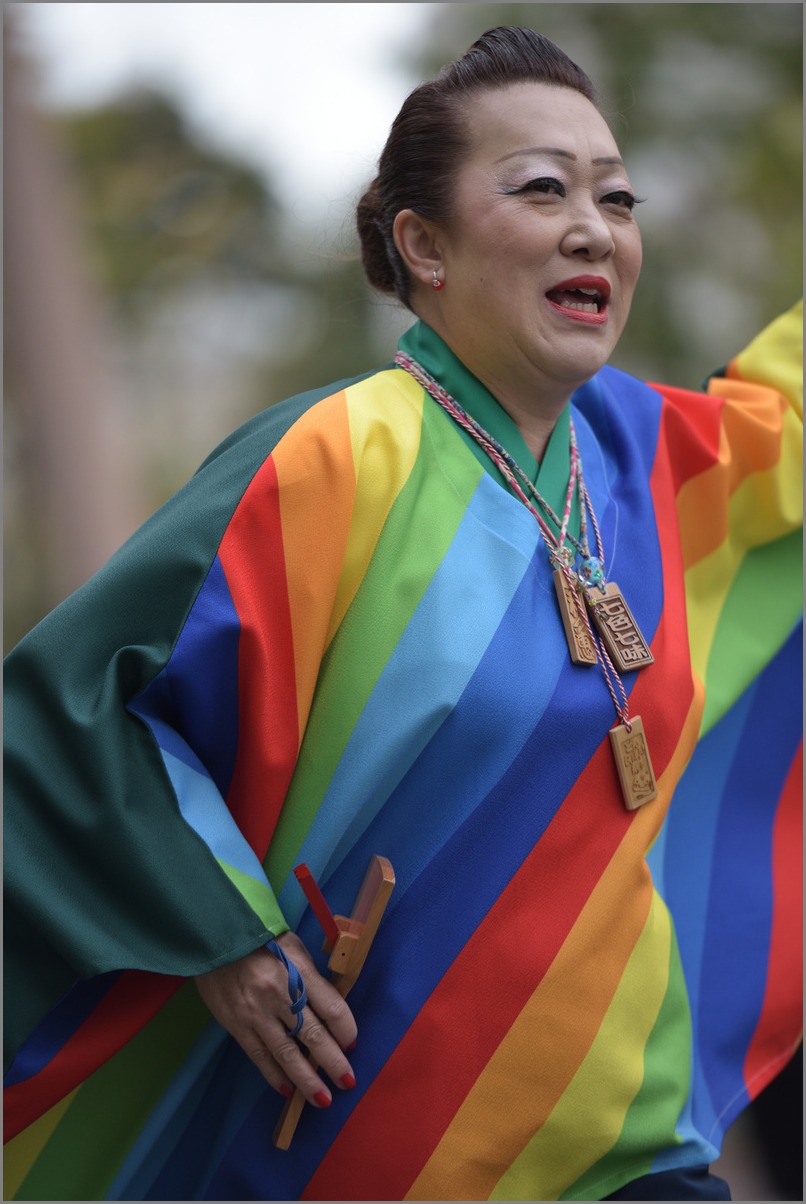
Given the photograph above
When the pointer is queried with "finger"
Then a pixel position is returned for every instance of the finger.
(323, 997)
(300, 1070)
(264, 1060)
(325, 1051)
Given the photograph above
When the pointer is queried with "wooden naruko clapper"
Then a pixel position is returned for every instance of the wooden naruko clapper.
(348, 941)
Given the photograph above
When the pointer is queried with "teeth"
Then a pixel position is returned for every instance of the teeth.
(585, 307)
(592, 292)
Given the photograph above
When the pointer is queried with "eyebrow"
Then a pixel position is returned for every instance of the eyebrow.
(563, 154)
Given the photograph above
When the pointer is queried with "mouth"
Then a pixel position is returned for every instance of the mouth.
(584, 298)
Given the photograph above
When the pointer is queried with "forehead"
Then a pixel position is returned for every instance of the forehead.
(506, 120)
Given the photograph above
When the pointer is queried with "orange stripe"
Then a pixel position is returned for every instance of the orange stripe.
(749, 442)
(316, 478)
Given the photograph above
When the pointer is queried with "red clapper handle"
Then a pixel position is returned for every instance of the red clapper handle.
(318, 902)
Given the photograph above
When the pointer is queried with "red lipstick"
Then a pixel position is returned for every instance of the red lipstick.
(582, 299)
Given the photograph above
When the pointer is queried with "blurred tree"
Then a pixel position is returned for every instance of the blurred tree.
(220, 313)
(161, 209)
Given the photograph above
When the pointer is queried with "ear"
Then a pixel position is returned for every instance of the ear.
(417, 241)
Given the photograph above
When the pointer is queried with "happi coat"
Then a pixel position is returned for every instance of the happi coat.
(342, 638)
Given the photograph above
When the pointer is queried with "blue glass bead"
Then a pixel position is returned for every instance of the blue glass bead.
(592, 570)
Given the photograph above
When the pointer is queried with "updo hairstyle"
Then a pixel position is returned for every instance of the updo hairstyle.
(429, 139)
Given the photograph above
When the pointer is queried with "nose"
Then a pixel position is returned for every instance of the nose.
(588, 235)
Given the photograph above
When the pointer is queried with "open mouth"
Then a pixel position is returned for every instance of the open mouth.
(584, 300)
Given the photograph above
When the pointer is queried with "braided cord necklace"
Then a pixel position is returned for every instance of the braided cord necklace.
(576, 589)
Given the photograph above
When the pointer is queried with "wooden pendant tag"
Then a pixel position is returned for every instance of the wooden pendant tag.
(634, 767)
(580, 644)
(620, 633)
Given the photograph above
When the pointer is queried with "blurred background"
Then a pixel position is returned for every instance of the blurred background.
(180, 254)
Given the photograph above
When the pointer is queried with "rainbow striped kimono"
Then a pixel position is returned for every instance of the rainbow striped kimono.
(342, 638)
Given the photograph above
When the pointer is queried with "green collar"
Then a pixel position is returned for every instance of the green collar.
(551, 476)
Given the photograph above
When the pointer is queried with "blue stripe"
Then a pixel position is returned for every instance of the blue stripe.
(736, 951)
(197, 691)
(688, 852)
(613, 430)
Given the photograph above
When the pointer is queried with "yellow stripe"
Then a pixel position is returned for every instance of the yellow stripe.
(385, 414)
(555, 1158)
(22, 1151)
(775, 357)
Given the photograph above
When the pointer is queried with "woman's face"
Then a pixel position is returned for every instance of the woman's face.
(542, 253)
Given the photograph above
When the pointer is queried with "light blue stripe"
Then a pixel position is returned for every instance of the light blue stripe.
(463, 606)
(204, 809)
(167, 1122)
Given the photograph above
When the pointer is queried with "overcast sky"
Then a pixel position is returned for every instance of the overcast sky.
(306, 92)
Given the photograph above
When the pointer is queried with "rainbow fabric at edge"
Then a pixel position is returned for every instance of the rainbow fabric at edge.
(369, 659)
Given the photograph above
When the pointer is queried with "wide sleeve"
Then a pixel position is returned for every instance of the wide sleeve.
(728, 859)
(131, 837)
(737, 455)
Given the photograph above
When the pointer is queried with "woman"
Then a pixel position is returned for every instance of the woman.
(383, 618)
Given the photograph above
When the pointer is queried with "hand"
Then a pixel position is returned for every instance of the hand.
(249, 998)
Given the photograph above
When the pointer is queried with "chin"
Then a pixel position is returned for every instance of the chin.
(580, 370)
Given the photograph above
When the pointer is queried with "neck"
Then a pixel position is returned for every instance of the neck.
(535, 415)
(532, 401)
(535, 425)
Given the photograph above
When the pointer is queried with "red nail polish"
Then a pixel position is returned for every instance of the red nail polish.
(322, 1100)
(286, 1090)
(350, 1048)
(347, 1081)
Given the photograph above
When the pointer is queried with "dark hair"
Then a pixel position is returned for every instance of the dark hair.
(429, 138)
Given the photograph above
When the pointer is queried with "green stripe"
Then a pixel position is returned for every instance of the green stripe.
(420, 527)
(92, 1140)
(766, 588)
(258, 895)
(649, 1125)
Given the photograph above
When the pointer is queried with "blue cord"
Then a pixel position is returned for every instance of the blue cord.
(296, 987)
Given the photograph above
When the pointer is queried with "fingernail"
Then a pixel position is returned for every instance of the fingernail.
(350, 1048)
(321, 1100)
(286, 1090)
(347, 1081)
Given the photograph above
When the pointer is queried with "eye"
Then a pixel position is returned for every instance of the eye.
(544, 184)
(624, 199)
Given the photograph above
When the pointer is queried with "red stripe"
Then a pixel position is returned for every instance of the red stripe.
(358, 1166)
(691, 447)
(253, 558)
(130, 1003)
(780, 1024)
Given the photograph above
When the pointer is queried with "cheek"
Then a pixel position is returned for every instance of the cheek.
(634, 258)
